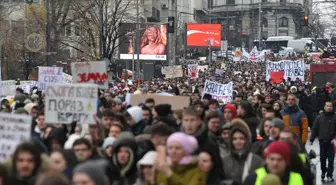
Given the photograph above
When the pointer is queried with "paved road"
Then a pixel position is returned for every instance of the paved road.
(316, 161)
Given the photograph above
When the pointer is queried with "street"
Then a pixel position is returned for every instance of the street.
(316, 161)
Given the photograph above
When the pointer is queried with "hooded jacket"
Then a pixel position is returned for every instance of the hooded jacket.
(251, 120)
(296, 120)
(136, 114)
(127, 174)
(235, 162)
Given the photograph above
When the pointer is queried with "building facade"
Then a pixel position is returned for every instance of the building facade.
(244, 21)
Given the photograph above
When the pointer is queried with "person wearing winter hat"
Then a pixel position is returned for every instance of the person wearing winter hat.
(278, 156)
(178, 167)
(107, 147)
(124, 158)
(229, 112)
(276, 126)
(200, 108)
(240, 162)
(91, 173)
(145, 169)
(133, 116)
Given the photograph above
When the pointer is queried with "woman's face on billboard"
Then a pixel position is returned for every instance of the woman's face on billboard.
(152, 34)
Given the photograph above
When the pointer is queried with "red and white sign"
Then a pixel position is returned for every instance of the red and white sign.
(90, 73)
(193, 71)
(199, 35)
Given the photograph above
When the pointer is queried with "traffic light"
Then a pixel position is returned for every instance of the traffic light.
(305, 18)
(171, 23)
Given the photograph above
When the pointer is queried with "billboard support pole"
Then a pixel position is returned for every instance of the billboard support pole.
(133, 53)
(138, 40)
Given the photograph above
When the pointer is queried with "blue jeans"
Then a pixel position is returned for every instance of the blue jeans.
(327, 152)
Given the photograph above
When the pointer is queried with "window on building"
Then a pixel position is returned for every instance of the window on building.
(231, 2)
(283, 32)
(265, 22)
(142, 2)
(282, 1)
(264, 1)
(66, 30)
(283, 22)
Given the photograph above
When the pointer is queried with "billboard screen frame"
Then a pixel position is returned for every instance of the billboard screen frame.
(206, 29)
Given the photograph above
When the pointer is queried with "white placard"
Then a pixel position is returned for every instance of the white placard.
(66, 103)
(202, 68)
(292, 69)
(172, 71)
(8, 88)
(67, 79)
(48, 75)
(14, 129)
(219, 71)
(90, 72)
(219, 91)
(27, 85)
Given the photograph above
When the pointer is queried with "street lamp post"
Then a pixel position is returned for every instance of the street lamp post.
(101, 30)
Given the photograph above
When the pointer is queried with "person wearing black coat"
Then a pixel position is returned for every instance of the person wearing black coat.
(245, 112)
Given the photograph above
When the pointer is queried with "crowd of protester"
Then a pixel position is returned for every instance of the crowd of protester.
(257, 139)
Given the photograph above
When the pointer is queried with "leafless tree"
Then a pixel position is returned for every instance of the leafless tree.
(86, 33)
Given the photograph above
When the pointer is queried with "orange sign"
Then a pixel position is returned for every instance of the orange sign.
(203, 35)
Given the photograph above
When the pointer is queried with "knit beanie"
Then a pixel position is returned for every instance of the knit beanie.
(279, 147)
(96, 170)
(232, 108)
(136, 113)
(163, 109)
(278, 123)
(188, 143)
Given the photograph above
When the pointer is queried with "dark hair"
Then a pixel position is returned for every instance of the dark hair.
(31, 148)
(119, 126)
(261, 126)
(108, 113)
(161, 129)
(213, 101)
(104, 103)
(268, 107)
(260, 97)
(82, 141)
(247, 106)
(120, 117)
(40, 114)
(150, 100)
(211, 115)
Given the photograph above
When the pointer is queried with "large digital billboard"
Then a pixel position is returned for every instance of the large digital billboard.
(153, 42)
(199, 35)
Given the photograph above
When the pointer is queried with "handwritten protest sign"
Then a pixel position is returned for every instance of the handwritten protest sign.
(193, 71)
(292, 69)
(14, 129)
(172, 71)
(66, 103)
(26, 86)
(8, 87)
(90, 72)
(218, 91)
(49, 75)
(67, 78)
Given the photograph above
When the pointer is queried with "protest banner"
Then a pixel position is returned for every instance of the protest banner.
(193, 71)
(202, 68)
(172, 71)
(219, 91)
(67, 79)
(90, 72)
(14, 129)
(8, 87)
(48, 75)
(66, 103)
(292, 69)
(26, 86)
(177, 102)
